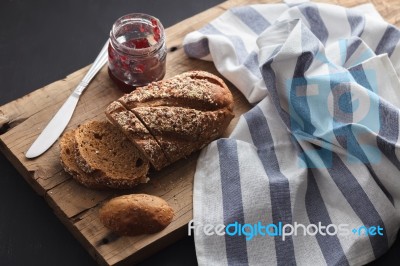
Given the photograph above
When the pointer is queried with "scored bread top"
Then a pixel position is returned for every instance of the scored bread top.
(183, 113)
(180, 131)
(181, 122)
(102, 149)
(195, 89)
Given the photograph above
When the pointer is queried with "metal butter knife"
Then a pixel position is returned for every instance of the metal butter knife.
(61, 119)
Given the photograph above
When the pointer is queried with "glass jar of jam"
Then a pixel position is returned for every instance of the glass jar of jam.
(136, 51)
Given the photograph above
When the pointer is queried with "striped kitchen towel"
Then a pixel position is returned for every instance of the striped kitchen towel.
(311, 174)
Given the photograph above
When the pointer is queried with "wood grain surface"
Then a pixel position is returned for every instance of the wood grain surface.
(22, 120)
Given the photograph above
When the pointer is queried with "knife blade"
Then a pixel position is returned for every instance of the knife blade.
(61, 119)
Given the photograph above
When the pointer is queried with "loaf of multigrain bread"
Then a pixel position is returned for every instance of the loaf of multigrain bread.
(172, 118)
(158, 124)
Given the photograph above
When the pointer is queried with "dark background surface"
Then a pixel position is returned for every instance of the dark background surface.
(43, 41)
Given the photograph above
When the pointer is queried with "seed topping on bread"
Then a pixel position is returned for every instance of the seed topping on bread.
(183, 113)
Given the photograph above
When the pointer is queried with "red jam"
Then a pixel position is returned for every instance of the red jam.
(137, 51)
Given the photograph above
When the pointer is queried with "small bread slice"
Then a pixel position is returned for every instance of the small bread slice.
(104, 151)
(68, 162)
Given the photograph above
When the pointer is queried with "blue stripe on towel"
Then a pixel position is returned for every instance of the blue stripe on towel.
(352, 46)
(251, 63)
(358, 74)
(197, 49)
(254, 20)
(317, 25)
(389, 132)
(279, 184)
(317, 212)
(236, 41)
(269, 77)
(236, 251)
(389, 41)
(298, 100)
(356, 22)
(359, 201)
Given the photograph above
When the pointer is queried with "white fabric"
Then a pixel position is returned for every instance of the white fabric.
(320, 145)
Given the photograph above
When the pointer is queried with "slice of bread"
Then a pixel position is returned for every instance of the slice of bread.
(67, 158)
(130, 125)
(104, 152)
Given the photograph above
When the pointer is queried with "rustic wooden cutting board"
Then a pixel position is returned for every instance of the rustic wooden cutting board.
(23, 119)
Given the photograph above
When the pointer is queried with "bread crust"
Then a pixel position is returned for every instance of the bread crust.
(194, 89)
(136, 214)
